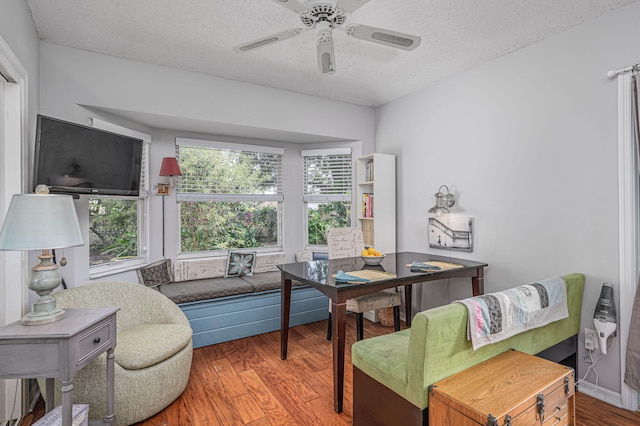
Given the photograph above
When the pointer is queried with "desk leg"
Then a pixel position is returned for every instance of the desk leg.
(67, 401)
(408, 293)
(285, 306)
(50, 384)
(477, 282)
(110, 417)
(339, 320)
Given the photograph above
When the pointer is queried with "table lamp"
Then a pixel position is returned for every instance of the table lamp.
(41, 221)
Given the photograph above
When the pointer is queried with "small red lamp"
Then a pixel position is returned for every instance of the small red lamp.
(171, 168)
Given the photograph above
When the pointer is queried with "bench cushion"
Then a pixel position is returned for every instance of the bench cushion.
(147, 345)
(264, 281)
(212, 288)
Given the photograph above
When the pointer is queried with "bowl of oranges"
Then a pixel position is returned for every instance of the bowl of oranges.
(371, 256)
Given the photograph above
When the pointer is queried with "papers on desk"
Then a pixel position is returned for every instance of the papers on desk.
(432, 266)
(362, 276)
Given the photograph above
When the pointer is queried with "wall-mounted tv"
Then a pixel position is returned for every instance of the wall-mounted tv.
(72, 158)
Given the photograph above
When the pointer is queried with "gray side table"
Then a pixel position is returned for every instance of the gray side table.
(59, 349)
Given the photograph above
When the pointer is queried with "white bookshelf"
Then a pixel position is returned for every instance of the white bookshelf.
(379, 225)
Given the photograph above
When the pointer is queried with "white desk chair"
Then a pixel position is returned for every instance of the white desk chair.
(349, 242)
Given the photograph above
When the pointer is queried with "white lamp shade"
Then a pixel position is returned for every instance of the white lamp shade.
(39, 222)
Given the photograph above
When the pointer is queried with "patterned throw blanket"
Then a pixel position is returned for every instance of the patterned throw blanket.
(497, 316)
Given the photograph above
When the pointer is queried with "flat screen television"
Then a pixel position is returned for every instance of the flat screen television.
(71, 158)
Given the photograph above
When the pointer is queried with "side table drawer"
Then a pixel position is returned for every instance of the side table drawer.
(94, 341)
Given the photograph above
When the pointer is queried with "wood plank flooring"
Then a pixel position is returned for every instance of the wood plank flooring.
(244, 382)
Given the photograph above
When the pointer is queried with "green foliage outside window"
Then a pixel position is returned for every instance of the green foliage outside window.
(214, 224)
(113, 229)
(321, 217)
(228, 225)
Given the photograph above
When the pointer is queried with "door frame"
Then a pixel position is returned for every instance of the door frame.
(13, 180)
(629, 214)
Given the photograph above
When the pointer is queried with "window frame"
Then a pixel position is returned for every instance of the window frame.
(324, 198)
(203, 197)
(143, 206)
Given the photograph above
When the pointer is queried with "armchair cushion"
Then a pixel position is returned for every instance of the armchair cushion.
(147, 345)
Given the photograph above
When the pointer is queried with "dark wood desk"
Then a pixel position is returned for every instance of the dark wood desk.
(318, 274)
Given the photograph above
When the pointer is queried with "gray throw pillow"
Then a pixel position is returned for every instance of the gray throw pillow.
(156, 274)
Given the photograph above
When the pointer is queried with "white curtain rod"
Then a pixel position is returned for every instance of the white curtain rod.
(616, 72)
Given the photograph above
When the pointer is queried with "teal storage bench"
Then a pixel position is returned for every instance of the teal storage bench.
(392, 373)
(223, 309)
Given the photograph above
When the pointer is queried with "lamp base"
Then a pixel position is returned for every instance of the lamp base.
(39, 318)
(44, 278)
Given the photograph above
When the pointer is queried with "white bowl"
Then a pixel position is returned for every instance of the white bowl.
(372, 260)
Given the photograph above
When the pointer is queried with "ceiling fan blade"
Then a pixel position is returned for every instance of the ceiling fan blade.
(292, 5)
(381, 36)
(349, 6)
(268, 40)
(326, 55)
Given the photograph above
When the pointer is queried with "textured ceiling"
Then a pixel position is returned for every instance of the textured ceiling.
(198, 35)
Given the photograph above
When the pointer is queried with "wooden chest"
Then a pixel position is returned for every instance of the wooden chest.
(512, 388)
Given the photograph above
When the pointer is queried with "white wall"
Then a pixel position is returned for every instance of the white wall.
(528, 143)
(75, 83)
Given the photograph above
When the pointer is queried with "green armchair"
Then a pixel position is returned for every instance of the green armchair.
(152, 356)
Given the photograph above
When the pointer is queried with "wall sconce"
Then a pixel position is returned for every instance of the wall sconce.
(443, 201)
(171, 168)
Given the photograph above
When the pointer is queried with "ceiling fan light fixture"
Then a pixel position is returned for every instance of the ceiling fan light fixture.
(326, 55)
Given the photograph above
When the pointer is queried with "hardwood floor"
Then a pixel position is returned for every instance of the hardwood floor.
(244, 382)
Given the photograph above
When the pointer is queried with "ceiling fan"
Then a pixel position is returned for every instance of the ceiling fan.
(324, 17)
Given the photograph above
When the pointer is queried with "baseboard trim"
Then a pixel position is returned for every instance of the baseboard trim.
(605, 395)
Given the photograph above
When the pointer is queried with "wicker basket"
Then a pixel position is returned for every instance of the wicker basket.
(386, 316)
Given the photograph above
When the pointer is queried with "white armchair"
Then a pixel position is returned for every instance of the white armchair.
(152, 356)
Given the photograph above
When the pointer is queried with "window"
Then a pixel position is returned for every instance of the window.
(113, 230)
(117, 225)
(327, 192)
(230, 196)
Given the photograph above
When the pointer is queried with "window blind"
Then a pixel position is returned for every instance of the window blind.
(327, 176)
(212, 173)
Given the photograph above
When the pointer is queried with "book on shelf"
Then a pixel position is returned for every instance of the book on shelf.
(367, 205)
(368, 171)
